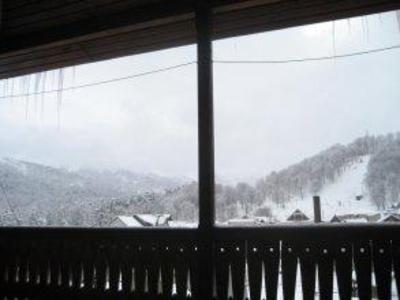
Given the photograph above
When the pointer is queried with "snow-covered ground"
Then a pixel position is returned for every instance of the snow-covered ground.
(337, 198)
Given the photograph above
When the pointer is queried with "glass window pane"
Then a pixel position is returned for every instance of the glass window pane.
(120, 150)
(305, 111)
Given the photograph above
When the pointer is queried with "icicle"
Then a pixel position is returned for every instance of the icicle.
(398, 18)
(12, 87)
(333, 38)
(363, 26)
(2, 92)
(44, 81)
(25, 90)
(59, 95)
(73, 75)
(349, 26)
(5, 87)
(367, 28)
(37, 79)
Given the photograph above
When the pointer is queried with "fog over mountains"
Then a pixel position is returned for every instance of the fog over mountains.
(34, 194)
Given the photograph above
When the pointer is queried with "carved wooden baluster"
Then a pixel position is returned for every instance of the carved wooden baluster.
(396, 262)
(194, 267)
(76, 267)
(139, 269)
(101, 268)
(222, 270)
(64, 248)
(113, 259)
(3, 267)
(325, 270)
(43, 262)
(181, 270)
(23, 250)
(153, 270)
(363, 267)
(289, 270)
(344, 269)
(127, 270)
(88, 252)
(12, 264)
(166, 254)
(53, 254)
(54, 269)
(382, 258)
(307, 256)
(33, 266)
(237, 261)
(255, 262)
(272, 258)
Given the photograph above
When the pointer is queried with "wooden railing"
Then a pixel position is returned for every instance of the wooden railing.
(77, 263)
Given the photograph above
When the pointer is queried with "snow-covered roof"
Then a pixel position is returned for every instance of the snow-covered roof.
(142, 220)
(153, 220)
(390, 218)
(354, 218)
(298, 215)
(128, 221)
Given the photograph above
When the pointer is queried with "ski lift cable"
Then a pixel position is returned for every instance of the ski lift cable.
(178, 66)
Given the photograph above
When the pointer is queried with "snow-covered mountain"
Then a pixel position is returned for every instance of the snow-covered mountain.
(347, 194)
(31, 190)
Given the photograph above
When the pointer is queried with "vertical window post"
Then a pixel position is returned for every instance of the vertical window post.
(206, 146)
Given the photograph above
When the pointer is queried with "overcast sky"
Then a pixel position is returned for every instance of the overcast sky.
(267, 116)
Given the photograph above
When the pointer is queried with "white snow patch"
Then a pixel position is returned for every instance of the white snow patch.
(337, 198)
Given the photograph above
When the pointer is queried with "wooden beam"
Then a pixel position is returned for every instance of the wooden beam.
(1, 14)
(153, 25)
(206, 146)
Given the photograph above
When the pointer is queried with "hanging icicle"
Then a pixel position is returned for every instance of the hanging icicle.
(333, 38)
(37, 79)
(398, 18)
(367, 28)
(43, 88)
(349, 26)
(60, 85)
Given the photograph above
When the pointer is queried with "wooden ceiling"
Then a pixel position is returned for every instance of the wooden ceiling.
(47, 34)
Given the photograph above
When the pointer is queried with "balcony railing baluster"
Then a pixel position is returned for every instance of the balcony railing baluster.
(58, 263)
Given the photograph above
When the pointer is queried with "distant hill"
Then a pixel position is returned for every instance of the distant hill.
(34, 189)
(369, 167)
(346, 194)
(380, 178)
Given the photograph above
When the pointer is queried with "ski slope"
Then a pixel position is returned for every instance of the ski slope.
(338, 197)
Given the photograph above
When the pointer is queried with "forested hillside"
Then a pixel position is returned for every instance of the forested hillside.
(310, 175)
(33, 194)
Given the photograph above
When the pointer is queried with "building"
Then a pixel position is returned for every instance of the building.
(355, 218)
(142, 220)
(298, 216)
(390, 218)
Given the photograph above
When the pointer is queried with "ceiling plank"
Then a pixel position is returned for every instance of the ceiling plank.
(89, 32)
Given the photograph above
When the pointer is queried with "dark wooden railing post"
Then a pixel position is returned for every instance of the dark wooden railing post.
(206, 145)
